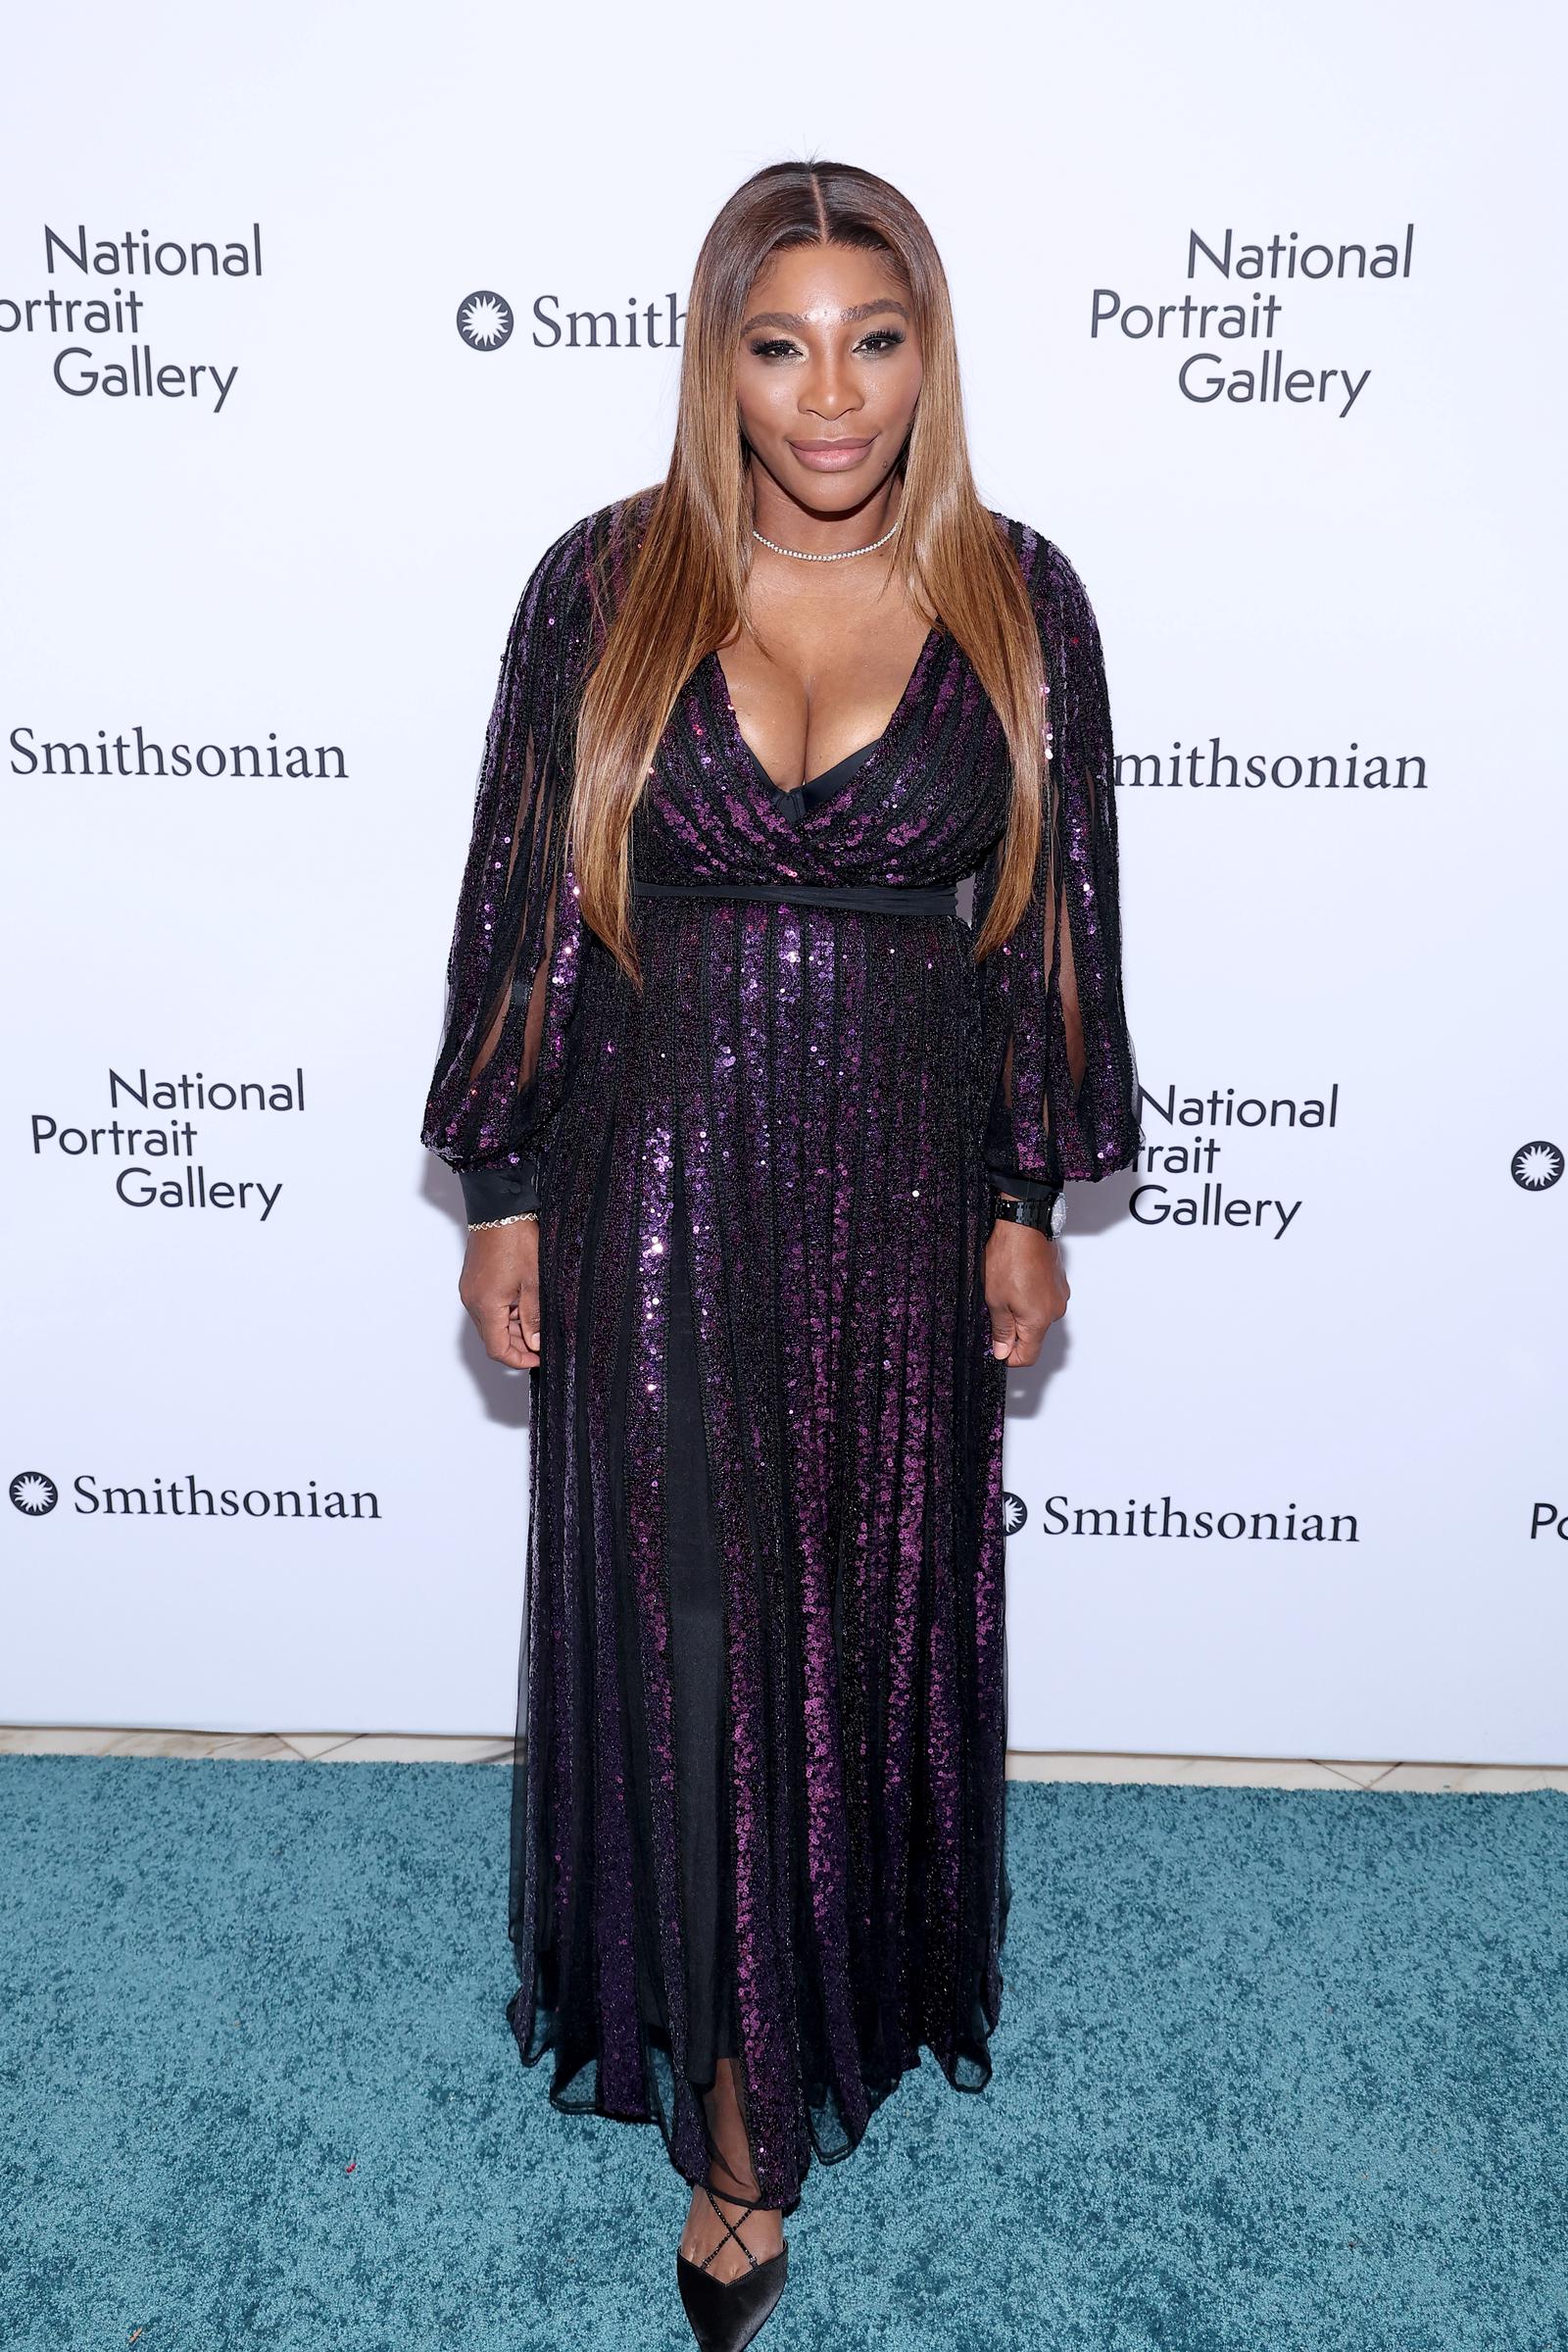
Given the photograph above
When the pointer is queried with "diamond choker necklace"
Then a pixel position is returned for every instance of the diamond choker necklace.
(840, 555)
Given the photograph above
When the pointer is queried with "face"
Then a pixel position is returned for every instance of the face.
(827, 374)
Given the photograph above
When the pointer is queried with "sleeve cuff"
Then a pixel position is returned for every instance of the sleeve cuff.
(491, 1193)
(1023, 1187)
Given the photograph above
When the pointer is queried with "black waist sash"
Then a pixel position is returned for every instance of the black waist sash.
(868, 899)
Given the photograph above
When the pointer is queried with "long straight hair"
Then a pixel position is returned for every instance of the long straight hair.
(686, 594)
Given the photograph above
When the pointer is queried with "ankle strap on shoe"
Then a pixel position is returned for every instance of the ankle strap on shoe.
(749, 2205)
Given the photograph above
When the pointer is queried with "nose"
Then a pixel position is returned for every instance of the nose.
(831, 390)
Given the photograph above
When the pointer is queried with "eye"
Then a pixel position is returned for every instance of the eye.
(876, 342)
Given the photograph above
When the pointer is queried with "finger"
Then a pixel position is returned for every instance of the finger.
(1004, 1331)
(1028, 1334)
(502, 1340)
(525, 1343)
(527, 1313)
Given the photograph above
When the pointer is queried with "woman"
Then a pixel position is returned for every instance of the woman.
(762, 1148)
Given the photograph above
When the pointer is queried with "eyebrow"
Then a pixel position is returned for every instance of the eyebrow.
(859, 310)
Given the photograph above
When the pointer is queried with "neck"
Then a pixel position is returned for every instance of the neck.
(809, 529)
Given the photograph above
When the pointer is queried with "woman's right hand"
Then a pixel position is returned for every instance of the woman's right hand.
(500, 1288)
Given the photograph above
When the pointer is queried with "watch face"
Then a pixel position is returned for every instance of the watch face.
(1058, 1213)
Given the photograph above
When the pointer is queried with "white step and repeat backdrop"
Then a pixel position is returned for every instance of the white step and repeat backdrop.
(1260, 322)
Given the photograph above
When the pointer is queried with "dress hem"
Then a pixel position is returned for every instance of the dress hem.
(557, 2090)
(536, 2036)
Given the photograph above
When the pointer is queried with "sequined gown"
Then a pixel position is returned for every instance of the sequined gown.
(759, 1812)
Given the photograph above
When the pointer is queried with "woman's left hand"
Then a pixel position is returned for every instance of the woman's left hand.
(1026, 1290)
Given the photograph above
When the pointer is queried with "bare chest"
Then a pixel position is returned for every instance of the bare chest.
(828, 682)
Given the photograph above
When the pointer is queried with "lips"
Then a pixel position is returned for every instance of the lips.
(826, 457)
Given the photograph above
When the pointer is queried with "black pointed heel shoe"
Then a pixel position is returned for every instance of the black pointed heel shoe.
(727, 2314)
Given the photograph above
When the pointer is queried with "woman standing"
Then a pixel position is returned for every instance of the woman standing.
(762, 1148)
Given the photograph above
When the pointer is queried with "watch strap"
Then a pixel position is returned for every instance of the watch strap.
(1045, 1211)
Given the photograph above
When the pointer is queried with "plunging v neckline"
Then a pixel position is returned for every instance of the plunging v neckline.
(795, 792)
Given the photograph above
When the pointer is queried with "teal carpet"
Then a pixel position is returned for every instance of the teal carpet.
(1276, 2073)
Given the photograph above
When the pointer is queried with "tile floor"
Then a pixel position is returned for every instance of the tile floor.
(390, 1748)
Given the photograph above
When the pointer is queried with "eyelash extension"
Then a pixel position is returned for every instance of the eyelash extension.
(887, 338)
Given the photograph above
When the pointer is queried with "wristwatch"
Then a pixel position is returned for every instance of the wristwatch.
(1048, 1216)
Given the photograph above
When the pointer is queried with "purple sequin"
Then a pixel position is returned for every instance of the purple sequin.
(833, 1086)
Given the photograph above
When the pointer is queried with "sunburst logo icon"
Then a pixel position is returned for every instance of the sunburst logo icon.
(33, 1494)
(484, 321)
(1014, 1513)
(1537, 1167)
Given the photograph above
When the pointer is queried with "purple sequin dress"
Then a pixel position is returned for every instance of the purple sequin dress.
(760, 1811)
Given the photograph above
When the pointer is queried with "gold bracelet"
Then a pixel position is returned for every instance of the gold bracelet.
(524, 1216)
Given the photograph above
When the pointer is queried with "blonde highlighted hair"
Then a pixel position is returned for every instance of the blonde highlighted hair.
(686, 594)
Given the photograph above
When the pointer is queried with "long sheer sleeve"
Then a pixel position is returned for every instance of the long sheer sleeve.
(1058, 1062)
(517, 944)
